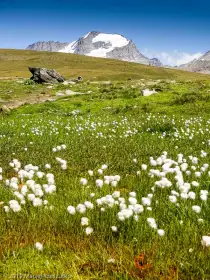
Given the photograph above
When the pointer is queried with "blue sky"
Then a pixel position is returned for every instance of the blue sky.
(174, 31)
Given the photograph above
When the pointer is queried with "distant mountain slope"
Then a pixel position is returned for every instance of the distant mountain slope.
(50, 46)
(201, 64)
(98, 44)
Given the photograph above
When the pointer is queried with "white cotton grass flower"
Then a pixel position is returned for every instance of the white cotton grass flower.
(83, 181)
(111, 261)
(99, 183)
(6, 209)
(84, 221)
(172, 198)
(104, 166)
(161, 232)
(146, 201)
(196, 209)
(152, 223)
(132, 194)
(39, 246)
(14, 205)
(88, 205)
(88, 230)
(144, 167)
(90, 172)
(205, 241)
(100, 171)
(114, 228)
(81, 208)
(71, 210)
(37, 202)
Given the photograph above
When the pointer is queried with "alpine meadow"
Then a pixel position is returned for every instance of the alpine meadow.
(105, 174)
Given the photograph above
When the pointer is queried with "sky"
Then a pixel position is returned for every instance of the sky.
(173, 31)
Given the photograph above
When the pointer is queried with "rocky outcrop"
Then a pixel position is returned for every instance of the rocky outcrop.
(128, 53)
(43, 75)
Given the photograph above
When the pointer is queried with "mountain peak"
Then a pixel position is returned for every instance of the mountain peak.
(99, 44)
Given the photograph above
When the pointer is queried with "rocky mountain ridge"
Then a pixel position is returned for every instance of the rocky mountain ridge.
(99, 44)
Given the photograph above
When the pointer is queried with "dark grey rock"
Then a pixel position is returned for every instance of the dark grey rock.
(43, 75)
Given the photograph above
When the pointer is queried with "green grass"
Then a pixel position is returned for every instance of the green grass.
(112, 125)
(14, 63)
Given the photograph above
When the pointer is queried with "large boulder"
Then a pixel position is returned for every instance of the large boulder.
(43, 75)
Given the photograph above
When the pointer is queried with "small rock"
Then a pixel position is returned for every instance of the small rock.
(65, 83)
(60, 94)
(4, 109)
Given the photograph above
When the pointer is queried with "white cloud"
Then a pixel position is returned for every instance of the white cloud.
(172, 58)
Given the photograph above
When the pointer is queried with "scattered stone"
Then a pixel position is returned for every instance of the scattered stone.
(79, 79)
(65, 83)
(44, 75)
(60, 93)
(148, 92)
(4, 109)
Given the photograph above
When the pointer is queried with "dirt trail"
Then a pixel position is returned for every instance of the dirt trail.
(31, 100)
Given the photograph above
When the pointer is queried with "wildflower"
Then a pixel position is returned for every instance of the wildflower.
(84, 221)
(81, 208)
(39, 246)
(89, 205)
(104, 166)
(37, 202)
(88, 230)
(114, 228)
(172, 198)
(83, 181)
(14, 205)
(205, 241)
(161, 232)
(146, 201)
(99, 183)
(71, 210)
(6, 209)
(152, 223)
(111, 261)
(196, 208)
(144, 167)
(90, 172)
(132, 194)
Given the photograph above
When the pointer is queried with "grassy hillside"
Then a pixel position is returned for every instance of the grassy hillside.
(15, 63)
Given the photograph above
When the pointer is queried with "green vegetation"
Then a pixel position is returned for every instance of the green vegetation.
(113, 125)
(14, 63)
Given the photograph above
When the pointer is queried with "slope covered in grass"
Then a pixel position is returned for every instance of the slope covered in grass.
(15, 63)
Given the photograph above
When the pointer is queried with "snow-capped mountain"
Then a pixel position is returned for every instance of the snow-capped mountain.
(99, 45)
(202, 64)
